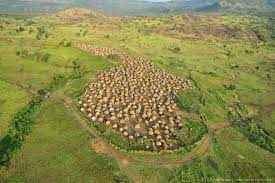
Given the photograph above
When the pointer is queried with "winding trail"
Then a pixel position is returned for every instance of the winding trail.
(102, 146)
(125, 159)
(217, 127)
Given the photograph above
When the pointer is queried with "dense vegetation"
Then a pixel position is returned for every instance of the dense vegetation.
(21, 126)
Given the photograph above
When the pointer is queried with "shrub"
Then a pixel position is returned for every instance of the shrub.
(58, 79)
(20, 29)
(41, 33)
(78, 70)
(82, 33)
(65, 43)
(191, 133)
(196, 171)
(31, 30)
(42, 57)
(23, 52)
(120, 178)
(191, 101)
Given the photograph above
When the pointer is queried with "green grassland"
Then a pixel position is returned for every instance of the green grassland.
(229, 59)
(12, 99)
(58, 151)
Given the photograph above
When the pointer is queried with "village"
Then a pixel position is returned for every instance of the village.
(136, 99)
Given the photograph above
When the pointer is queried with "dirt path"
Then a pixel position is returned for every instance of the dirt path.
(125, 159)
(103, 147)
(28, 89)
(215, 128)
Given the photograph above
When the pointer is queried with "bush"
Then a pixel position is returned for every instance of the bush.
(191, 100)
(41, 33)
(78, 70)
(191, 133)
(197, 171)
(42, 57)
(120, 178)
(58, 79)
(31, 30)
(65, 43)
(23, 53)
(82, 33)
(20, 29)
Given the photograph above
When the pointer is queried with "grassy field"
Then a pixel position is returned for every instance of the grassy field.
(12, 99)
(230, 62)
(58, 150)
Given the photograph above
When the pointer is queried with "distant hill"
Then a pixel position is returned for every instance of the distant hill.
(244, 4)
(134, 7)
(201, 5)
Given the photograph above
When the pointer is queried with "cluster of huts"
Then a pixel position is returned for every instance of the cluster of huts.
(136, 99)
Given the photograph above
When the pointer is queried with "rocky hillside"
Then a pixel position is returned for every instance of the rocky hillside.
(77, 14)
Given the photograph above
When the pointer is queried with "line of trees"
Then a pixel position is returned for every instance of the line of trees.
(21, 126)
(241, 119)
(23, 122)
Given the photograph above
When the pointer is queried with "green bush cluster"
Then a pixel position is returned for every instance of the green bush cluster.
(240, 118)
(38, 56)
(23, 121)
(121, 178)
(191, 133)
(82, 33)
(198, 171)
(20, 29)
(21, 126)
(42, 57)
(78, 70)
(191, 101)
(42, 33)
(65, 43)
(23, 52)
